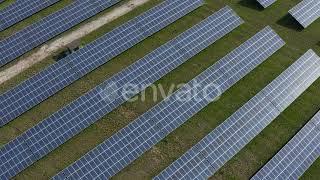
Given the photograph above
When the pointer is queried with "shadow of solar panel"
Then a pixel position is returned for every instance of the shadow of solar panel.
(49, 27)
(296, 156)
(21, 10)
(306, 12)
(61, 74)
(139, 136)
(266, 3)
(231, 136)
(72, 119)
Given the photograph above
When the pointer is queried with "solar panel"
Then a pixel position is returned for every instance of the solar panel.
(49, 27)
(20, 10)
(72, 119)
(306, 12)
(132, 141)
(64, 72)
(295, 157)
(219, 146)
(266, 3)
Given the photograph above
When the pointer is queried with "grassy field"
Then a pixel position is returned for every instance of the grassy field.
(245, 163)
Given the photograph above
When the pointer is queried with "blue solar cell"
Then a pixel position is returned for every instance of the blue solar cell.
(306, 12)
(231, 136)
(296, 156)
(92, 106)
(17, 155)
(266, 3)
(51, 80)
(20, 10)
(132, 141)
(49, 27)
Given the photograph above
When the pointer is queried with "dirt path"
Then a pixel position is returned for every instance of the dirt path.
(48, 50)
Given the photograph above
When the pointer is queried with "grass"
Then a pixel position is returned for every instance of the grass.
(6, 4)
(43, 13)
(245, 163)
(33, 18)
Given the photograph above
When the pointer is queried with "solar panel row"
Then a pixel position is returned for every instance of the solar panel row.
(132, 141)
(266, 3)
(64, 72)
(69, 121)
(49, 27)
(21, 10)
(295, 157)
(219, 146)
(306, 12)
(290, 162)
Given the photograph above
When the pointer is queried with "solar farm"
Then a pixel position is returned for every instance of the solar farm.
(239, 96)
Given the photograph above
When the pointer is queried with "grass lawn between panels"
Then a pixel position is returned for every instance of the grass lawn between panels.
(244, 164)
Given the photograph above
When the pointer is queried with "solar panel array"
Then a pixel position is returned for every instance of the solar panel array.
(21, 10)
(295, 157)
(49, 27)
(306, 12)
(72, 119)
(64, 72)
(132, 141)
(219, 146)
(266, 3)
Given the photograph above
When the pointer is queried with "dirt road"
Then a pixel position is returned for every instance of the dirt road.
(48, 50)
